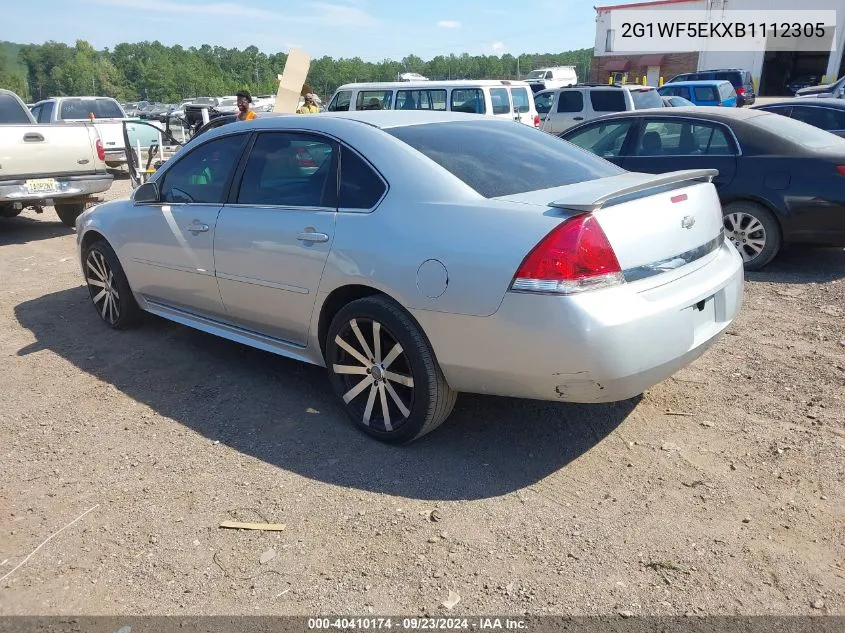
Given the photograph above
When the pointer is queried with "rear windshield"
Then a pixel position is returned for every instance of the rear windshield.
(11, 111)
(502, 159)
(646, 99)
(796, 132)
(82, 108)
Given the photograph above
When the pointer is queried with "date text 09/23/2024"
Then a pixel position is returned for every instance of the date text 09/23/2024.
(416, 624)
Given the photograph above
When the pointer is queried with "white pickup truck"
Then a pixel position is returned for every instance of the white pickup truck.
(44, 165)
(104, 112)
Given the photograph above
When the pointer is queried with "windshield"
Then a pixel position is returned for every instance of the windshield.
(228, 102)
(646, 99)
(796, 132)
(536, 74)
(82, 108)
(502, 159)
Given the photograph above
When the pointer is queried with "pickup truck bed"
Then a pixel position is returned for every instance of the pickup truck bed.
(47, 165)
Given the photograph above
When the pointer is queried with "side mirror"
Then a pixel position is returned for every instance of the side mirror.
(148, 192)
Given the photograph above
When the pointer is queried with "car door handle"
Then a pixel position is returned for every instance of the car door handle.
(33, 137)
(578, 118)
(311, 236)
(197, 227)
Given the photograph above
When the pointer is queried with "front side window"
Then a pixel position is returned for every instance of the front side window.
(341, 102)
(607, 100)
(290, 170)
(521, 103)
(543, 101)
(360, 186)
(374, 100)
(472, 151)
(501, 102)
(201, 176)
(469, 100)
(602, 139)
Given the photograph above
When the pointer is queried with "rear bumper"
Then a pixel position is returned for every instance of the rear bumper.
(602, 346)
(66, 187)
(115, 156)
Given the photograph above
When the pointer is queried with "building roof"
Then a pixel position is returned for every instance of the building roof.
(641, 5)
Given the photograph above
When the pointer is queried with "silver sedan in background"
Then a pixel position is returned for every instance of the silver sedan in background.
(416, 255)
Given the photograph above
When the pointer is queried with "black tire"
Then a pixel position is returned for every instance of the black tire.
(427, 400)
(9, 211)
(108, 287)
(69, 212)
(759, 245)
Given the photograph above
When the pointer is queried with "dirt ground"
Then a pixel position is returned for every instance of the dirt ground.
(721, 490)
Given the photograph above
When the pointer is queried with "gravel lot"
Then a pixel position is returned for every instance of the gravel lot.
(718, 491)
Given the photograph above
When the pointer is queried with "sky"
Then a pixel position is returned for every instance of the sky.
(371, 29)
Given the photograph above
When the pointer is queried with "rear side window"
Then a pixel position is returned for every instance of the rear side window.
(12, 112)
(570, 101)
(521, 102)
(421, 100)
(82, 109)
(734, 78)
(796, 132)
(824, 118)
(607, 100)
(201, 176)
(646, 99)
(705, 93)
(683, 138)
(360, 186)
(726, 91)
(374, 100)
(501, 159)
(499, 99)
(469, 100)
(341, 102)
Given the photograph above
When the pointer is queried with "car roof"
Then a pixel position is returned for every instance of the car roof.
(428, 83)
(712, 113)
(697, 82)
(386, 119)
(839, 104)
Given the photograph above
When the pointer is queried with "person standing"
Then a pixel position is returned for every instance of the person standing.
(244, 101)
(310, 106)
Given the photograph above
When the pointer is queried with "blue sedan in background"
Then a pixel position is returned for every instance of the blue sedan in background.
(703, 92)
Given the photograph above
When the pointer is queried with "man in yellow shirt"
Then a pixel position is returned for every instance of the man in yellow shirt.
(310, 106)
(244, 101)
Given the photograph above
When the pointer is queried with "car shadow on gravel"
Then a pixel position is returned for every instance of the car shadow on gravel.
(803, 265)
(23, 229)
(284, 413)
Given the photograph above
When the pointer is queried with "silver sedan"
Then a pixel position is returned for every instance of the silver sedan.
(417, 255)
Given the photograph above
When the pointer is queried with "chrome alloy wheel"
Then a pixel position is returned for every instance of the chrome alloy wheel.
(747, 233)
(386, 379)
(101, 285)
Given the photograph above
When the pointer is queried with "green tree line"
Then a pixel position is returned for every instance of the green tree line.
(152, 71)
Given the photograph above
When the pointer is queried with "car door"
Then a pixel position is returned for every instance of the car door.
(544, 101)
(664, 144)
(167, 246)
(500, 101)
(603, 138)
(569, 110)
(275, 233)
(521, 105)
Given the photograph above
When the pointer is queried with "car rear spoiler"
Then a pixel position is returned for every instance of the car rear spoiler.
(641, 189)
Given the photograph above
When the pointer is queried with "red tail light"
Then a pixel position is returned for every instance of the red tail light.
(537, 121)
(740, 91)
(574, 257)
(101, 153)
(841, 169)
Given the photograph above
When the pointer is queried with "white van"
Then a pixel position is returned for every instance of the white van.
(492, 97)
(554, 77)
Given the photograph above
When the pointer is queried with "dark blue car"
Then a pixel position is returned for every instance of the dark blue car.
(713, 92)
